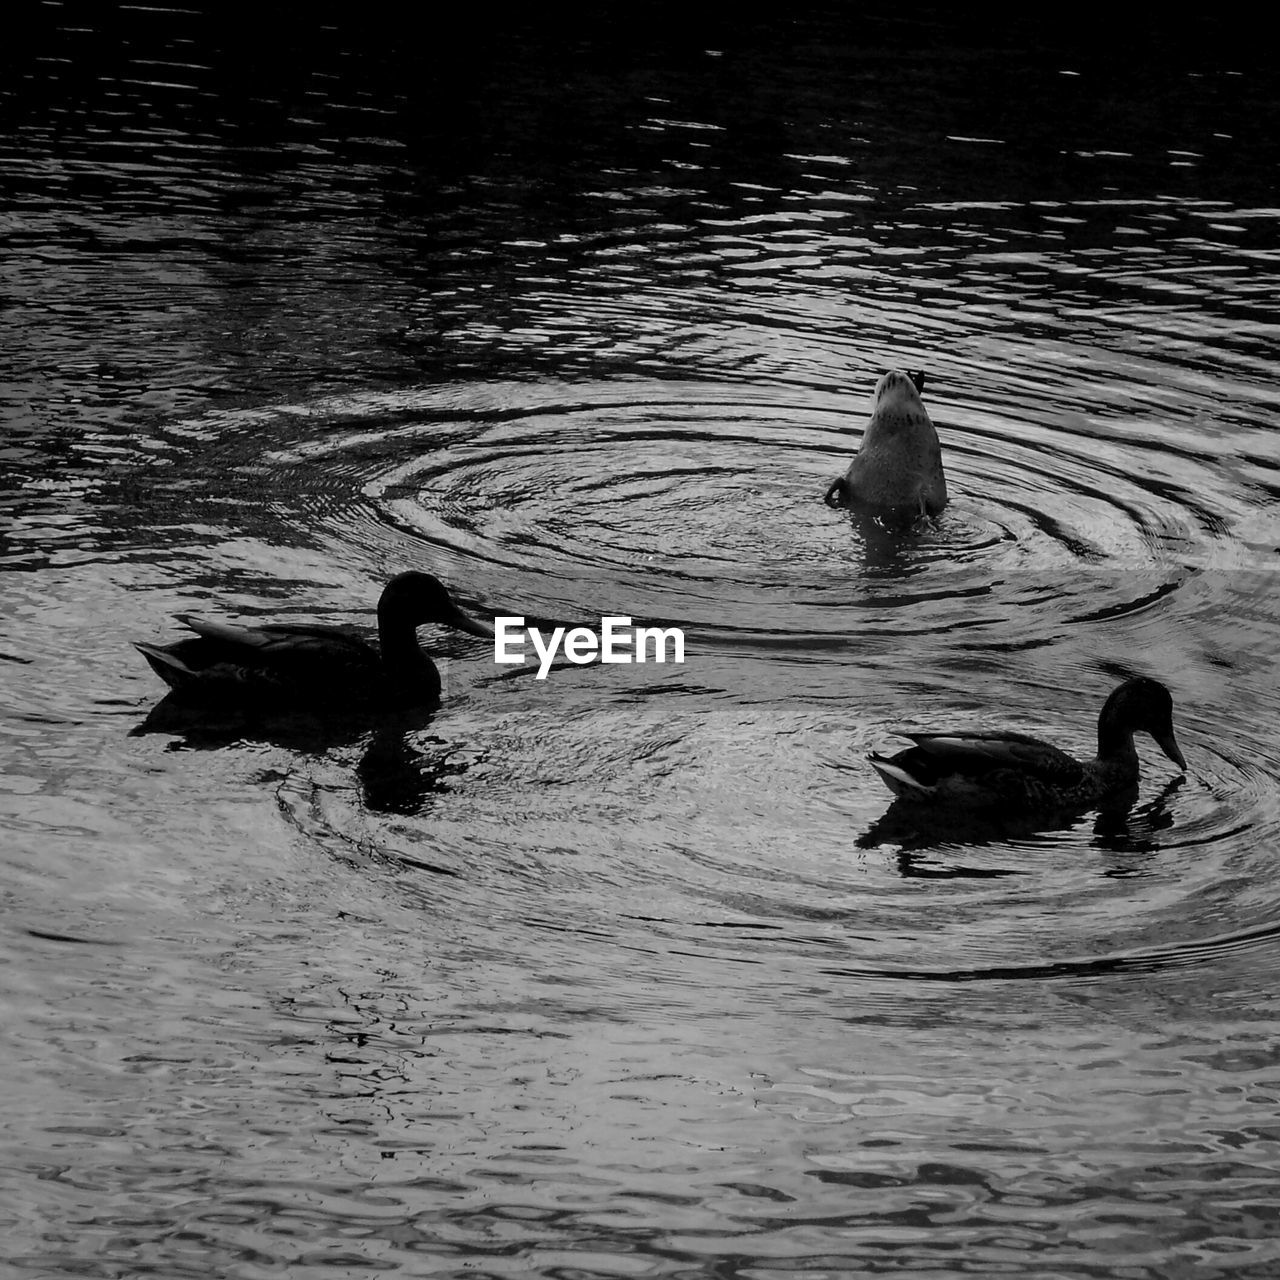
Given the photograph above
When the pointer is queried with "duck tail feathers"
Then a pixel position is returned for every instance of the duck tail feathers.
(897, 779)
(171, 669)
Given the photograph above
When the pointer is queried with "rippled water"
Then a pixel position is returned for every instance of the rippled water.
(633, 970)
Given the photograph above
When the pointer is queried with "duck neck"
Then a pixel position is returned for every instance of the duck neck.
(1115, 745)
(398, 639)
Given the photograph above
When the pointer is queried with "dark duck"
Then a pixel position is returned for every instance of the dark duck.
(313, 665)
(1015, 770)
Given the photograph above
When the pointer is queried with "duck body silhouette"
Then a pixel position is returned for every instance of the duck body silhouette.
(313, 665)
(897, 471)
(1022, 772)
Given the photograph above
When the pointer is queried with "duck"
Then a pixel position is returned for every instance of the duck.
(298, 664)
(897, 472)
(1022, 772)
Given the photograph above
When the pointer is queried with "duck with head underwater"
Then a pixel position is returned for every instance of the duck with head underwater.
(316, 666)
(1012, 769)
(897, 472)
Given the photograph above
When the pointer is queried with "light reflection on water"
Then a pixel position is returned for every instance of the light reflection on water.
(634, 969)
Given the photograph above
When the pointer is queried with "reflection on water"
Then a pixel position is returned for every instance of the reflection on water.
(637, 968)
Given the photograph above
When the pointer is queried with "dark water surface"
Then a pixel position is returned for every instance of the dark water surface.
(632, 971)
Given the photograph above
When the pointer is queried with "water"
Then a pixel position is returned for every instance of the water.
(632, 970)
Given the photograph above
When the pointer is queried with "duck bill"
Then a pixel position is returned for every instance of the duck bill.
(472, 626)
(1169, 745)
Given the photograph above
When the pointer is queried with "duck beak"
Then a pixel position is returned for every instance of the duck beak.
(1169, 745)
(472, 626)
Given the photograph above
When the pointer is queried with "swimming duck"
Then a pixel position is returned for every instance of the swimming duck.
(1013, 769)
(897, 471)
(309, 664)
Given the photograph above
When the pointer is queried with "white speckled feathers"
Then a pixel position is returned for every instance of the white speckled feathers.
(898, 466)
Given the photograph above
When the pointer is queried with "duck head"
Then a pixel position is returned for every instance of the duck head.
(415, 599)
(1139, 706)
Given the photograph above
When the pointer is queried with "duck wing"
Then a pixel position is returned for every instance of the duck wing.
(981, 756)
(271, 645)
(269, 661)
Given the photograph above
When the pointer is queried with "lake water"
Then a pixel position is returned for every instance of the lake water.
(630, 971)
